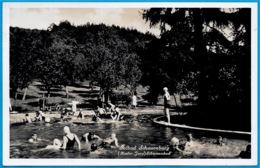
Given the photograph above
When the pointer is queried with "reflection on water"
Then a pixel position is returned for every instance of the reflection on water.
(128, 133)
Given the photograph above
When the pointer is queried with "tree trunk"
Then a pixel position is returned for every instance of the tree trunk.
(106, 94)
(67, 91)
(43, 101)
(175, 100)
(15, 96)
(49, 92)
(24, 93)
(202, 60)
(91, 85)
(177, 106)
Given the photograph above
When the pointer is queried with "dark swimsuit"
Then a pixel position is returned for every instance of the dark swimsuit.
(166, 102)
(70, 143)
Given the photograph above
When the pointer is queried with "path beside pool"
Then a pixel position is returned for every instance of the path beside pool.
(16, 117)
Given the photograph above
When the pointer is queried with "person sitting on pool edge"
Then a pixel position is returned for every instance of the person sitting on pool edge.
(110, 141)
(98, 114)
(28, 118)
(68, 142)
(40, 115)
(88, 137)
(110, 107)
(97, 117)
(117, 115)
(81, 116)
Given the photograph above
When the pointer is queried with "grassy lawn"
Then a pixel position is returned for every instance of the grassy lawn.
(80, 91)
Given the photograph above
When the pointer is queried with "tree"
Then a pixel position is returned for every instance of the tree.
(21, 59)
(198, 20)
(109, 57)
(59, 61)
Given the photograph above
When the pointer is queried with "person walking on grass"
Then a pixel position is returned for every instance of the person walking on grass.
(167, 99)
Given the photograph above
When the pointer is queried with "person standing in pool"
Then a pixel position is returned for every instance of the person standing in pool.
(167, 99)
(68, 142)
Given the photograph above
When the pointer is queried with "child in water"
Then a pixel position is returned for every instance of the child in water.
(110, 141)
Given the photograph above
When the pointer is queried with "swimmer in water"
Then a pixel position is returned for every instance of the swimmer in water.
(192, 146)
(68, 142)
(93, 147)
(189, 144)
(175, 146)
(110, 141)
(246, 154)
(220, 141)
(34, 138)
(96, 151)
(88, 137)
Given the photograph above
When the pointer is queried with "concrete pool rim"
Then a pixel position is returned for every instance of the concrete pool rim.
(156, 121)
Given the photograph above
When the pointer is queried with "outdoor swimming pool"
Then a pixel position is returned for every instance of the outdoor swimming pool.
(134, 133)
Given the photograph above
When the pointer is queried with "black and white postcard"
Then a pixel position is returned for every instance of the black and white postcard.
(92, 84)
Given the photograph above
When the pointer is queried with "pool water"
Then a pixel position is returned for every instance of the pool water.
(133, 134)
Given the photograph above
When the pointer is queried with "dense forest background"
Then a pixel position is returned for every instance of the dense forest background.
(193, 57)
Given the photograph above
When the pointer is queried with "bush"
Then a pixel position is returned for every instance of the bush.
(121, 98)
